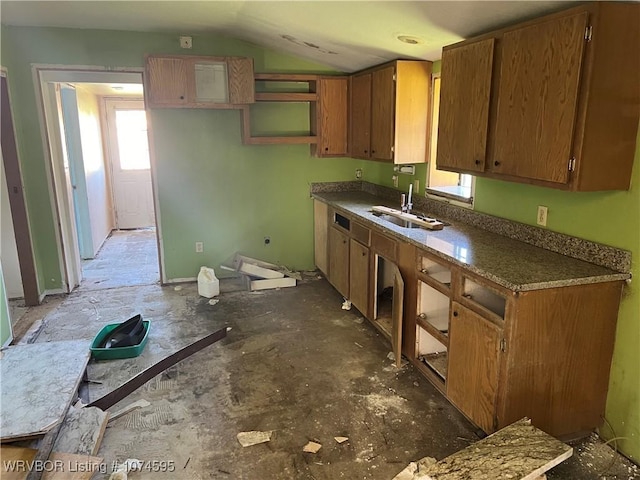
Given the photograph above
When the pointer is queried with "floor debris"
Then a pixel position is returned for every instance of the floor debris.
(82, 431)
(129, 408)
(143, 377)
(519, 451)
(414, 468)
(341, 439)
(346, 305)
(254, 437)
(312, 447)
(262, 275)
(122, 470)
(213, 301)
(53, 367)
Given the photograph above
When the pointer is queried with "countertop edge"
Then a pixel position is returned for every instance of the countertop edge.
(613, 277)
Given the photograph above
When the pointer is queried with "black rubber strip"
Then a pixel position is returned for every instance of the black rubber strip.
(143, 377)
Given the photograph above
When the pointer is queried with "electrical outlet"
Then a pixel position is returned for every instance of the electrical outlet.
(358, 173)
(416, 186)
(395, 180)
(186, 42)
(199, 247)
(542, 215)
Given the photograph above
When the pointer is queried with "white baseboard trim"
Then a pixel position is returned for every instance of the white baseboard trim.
(182, 280)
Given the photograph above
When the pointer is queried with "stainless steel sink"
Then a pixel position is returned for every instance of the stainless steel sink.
(397, 221)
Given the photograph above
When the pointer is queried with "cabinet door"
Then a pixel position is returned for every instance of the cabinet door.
(339, 261)
(320, 235)
(382, 113)
(472, 376)
(537, 99)
(333, 111)
(397, 314)
(359, 277)
(241, 81)
(360, 115)
(464, 106)
(166, 81)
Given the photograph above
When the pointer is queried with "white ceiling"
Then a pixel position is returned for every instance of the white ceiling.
(347, 35)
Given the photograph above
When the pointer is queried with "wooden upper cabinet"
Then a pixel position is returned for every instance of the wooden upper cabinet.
(360, 115)
(389, 114)
(183, 81)
(241, 82)
(166, 81)
(537, 99)
(464, 106)
(382, 113)
(332, 116)
(557, 117)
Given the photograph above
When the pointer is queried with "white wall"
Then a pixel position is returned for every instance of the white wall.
(9, 252)
(98, 188)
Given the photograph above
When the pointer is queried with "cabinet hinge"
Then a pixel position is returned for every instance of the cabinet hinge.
(503, 345)
(572, 164)
(393, 149)
(395, 77)
(588, 33)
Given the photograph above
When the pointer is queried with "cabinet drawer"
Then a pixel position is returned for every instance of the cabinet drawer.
(384, 246)
(361, 233)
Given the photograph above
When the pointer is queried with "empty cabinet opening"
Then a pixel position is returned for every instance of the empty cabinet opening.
(383, 302)
(484, 297)
(432, 329)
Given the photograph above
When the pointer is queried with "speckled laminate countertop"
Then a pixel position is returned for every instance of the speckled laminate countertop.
(515, 265)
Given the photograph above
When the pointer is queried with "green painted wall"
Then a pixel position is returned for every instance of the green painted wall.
(211, 188)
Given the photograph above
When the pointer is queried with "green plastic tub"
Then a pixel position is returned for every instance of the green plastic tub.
(120, 352)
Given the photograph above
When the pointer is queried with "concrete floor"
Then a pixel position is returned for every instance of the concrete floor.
(295, 363)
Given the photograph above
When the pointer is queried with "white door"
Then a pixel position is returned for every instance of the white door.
(130, 164)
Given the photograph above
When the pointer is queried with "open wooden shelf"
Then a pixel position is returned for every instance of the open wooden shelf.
(433, 331)
(286, 97)
(310, 96)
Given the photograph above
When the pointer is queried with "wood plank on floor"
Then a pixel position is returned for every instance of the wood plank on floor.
(39, 381)
(60, 466)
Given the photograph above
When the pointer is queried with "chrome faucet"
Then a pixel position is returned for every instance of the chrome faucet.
(405, 202)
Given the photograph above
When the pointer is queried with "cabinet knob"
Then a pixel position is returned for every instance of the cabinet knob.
(364, 254)
(455, 314)
(496, 163)
(478, 162)
(366, 151)
(373, 151)
(326, 149)
(181, 97)
(425, 271)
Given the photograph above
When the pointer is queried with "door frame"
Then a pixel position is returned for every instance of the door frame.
(17, 201)
(109, 137)
(44, 74)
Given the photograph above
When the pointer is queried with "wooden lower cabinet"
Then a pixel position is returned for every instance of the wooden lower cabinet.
(474, 357)
(339, 260)
(359, 277)
(497, 354)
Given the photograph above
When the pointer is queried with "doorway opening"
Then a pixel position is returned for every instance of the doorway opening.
(96, 127)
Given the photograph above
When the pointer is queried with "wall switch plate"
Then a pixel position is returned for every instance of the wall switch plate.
(358, 173)
(416, 186)
(395, 180)
(542, 215)
(199, 247)
(186, 42)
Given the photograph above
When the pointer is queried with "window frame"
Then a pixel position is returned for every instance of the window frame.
(433, 192)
